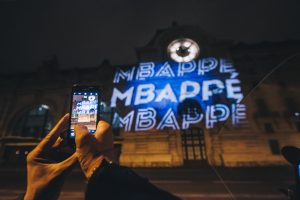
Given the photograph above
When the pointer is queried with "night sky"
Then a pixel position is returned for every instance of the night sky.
(83, 33)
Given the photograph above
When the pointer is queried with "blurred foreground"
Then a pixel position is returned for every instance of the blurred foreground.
(188, 183)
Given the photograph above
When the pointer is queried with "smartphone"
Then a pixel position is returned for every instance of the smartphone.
(84, 109)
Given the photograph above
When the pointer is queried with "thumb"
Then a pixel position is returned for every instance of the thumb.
(82, 135)
(86, 143)
(102, 128)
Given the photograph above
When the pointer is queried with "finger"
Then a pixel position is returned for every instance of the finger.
(52, 136)
(86, 144)
(57, 143)
(67, 163)
(104, 137)
(64, 134)
(102, 128)
(62, 150)
(61, 139)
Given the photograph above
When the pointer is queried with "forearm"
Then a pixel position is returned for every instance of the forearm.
(31, 195)
(38, 195)
(44, 190)
(111, 181)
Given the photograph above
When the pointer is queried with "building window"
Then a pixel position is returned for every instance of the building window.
(192, 108)
(268, 128)
(35, 123)
(252, 71)
(282, 84)
(255, 84)
(262, 107)
(298, 126)
(274, 146)
(291, 106)
(105, 111)
(111, 115)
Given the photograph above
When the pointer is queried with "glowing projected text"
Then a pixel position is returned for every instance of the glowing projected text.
(176, 95)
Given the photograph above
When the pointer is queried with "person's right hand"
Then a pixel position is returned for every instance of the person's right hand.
(92, 149)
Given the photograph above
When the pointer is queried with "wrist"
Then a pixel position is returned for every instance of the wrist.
(93, 166)
(43, 191)
(30, 194)
(33, 191)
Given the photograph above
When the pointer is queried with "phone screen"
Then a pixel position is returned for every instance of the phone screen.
(84, 110)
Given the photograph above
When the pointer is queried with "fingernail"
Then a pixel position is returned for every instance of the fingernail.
(103, 124)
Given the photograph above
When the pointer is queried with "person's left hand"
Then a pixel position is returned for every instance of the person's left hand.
(48, 164)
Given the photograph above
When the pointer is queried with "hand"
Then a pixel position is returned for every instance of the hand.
(48, 164)
(92, 149)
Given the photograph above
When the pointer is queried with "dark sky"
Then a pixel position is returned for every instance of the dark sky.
(83, 33)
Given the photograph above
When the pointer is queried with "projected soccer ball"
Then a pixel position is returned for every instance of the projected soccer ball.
(183, 50)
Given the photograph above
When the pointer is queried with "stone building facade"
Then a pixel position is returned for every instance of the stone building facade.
(32, 102)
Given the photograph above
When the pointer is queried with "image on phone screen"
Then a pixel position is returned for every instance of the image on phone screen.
(84, 111)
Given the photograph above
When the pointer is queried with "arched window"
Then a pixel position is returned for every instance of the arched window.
(105, 111)
(110, 115)
(36, 123)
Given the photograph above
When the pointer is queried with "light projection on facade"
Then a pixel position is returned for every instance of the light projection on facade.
(176, 95)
